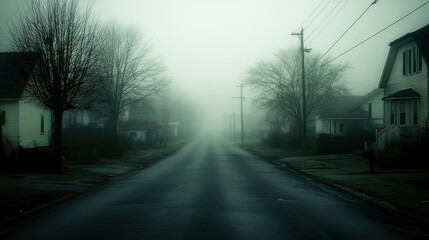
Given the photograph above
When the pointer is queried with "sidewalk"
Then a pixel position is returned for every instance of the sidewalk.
(24, 193)
(403, 193)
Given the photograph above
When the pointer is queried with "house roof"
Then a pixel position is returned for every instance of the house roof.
(343, 107)
(420, 36)
(408, 93)
(370, 96)
(15, 68)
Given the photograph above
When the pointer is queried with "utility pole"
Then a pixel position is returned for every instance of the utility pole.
(241, 108)
(304, 104)
(233, 126)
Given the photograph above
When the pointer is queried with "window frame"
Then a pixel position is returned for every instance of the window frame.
(411, 60)
(3, 118)
(42, 124)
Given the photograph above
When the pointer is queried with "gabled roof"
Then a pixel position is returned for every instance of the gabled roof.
(343, 107)
(420, 36)
(370, 96)
(408, 93)
(15, 69)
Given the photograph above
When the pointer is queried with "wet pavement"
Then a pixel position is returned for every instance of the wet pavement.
(214, 190)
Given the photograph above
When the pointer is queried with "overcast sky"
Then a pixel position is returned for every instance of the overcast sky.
(207, 45)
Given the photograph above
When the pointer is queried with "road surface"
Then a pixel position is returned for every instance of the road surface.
(214, 190)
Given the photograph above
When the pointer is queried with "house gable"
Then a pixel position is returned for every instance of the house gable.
(15, 69)
(405, 80)
(27, 123)
(393, 65)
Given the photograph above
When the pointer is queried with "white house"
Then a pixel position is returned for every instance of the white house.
(346, 115)
(23, 123)
(405, 83)
(274, 122)
(372, 103)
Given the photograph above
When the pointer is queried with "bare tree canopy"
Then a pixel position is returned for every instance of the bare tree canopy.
(278, 83)
(129, 73)
(65, 41)
(64, 38)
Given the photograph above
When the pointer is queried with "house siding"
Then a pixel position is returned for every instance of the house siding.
(397, 81)
(10, 130)
(29, 125)
(377, 109)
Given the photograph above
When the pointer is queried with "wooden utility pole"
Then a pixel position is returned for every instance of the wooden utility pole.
(304, 104)
(241, 108)
(233, 126)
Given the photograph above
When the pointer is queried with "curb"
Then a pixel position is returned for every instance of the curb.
(404, 215)
(14, 222)
(386, 207)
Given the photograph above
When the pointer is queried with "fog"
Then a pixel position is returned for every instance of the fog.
(208, 46)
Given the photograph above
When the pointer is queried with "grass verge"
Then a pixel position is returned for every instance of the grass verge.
(17, 203)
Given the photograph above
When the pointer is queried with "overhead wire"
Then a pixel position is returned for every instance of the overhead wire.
(324, 19)
(318, 14)
(375, 34)
(311, 14)
(342, 35)
(327, 24)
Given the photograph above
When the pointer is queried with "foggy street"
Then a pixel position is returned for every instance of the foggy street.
(213, 190)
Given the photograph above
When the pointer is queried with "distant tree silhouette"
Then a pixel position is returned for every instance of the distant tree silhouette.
(278, 84)
(128, 71)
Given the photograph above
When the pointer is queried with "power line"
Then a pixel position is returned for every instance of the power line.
(311, 14)
(318, 14)
(314, 37)
(375, 34)
(374, 2)
(324, 19)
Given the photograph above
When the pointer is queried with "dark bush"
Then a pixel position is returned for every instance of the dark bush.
(40, 158)
(275, 140)
(282, 140)
(82, 144)
(328, 144)
(405, 155)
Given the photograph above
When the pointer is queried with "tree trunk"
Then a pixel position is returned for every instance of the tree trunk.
(112, 148)
(58, 134)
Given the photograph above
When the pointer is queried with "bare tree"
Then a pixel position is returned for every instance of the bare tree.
(278, 84)
(129, 73)
(64, 39)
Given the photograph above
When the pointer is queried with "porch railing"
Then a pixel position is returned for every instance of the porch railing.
(385, 137)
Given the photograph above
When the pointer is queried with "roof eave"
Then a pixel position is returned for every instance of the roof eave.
(399, 98)
(9, 99)
(391, 57)
(388, 66)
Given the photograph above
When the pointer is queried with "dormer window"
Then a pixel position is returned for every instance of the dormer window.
(411, 61)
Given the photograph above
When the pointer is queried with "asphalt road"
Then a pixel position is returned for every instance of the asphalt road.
(214, 190)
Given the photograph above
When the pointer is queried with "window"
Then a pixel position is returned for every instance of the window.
(402, 113)
(369, 110)
(412, 61)
(42, 125)
(341, 128)
(3, 118)
(393, 113)
(415, 113)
